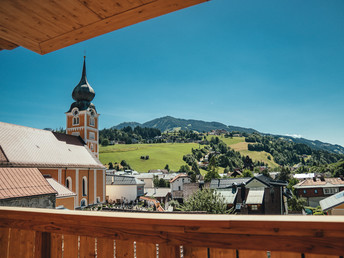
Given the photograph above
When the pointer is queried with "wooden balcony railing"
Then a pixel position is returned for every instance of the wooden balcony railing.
(26, 232)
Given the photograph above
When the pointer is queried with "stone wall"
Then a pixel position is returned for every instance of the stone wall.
(39, 201)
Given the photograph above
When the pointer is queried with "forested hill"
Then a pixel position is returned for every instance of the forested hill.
(169, 123)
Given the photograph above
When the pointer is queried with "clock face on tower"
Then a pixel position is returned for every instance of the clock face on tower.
(75, 111)
(93, 112)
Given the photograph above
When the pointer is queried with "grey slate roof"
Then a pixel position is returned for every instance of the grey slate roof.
(30, 147)
(268, 181)
(123, 180)
(332, 201)
(157, 192)
(227, 182)
(61, 190)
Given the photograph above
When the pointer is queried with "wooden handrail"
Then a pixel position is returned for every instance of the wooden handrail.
(298, 234)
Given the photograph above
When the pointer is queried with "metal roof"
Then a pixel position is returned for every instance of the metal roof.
(332, 201)
(123, 180)
(227, 182)
(61, 190)
(157, 192)
(228, 195)
(22, 182)
(30, 147)
(318, 183)
(255, 196)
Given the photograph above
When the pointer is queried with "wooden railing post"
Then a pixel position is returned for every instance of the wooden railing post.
(43, 244)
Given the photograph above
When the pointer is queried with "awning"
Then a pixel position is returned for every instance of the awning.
(255, 196)
(228, 195)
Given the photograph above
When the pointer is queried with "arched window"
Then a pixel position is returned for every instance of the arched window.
(75, 120)
(69, 183)
(92, 121)
(92, 147)
(84, 186)
(83, 202)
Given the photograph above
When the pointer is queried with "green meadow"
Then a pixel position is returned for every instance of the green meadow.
(159, 154)
(172, 154)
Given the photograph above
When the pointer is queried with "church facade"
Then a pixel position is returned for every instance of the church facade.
(71, 159)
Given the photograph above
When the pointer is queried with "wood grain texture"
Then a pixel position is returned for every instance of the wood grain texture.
(45, 26)
(275, 254)
(170, 251)
(195, 252)
(4, 234)
(124, 248)
(87, 247)
(322, 255)
(274, 233)
(105, 247)
(145, 250)
(4, 44)
(70, 246)
(56, 245)
(222, 253)
(21, 243)
(252, 254)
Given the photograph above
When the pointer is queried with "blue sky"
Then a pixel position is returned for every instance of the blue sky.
(275, 66)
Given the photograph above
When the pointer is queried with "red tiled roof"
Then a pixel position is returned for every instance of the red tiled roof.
(20, 182)
(178, 176)
(30, 147)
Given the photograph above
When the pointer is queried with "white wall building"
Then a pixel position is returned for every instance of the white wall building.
(123, 188)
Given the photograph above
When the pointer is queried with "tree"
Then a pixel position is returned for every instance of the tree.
(110, 165)
(105, 142)
(296, 204)
(247, 173)
(212, 170)
(206, 200)
(167, 168)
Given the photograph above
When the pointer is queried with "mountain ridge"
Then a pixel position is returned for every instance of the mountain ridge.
(169, 123)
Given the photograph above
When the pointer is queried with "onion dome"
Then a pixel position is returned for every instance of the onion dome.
(83, 91)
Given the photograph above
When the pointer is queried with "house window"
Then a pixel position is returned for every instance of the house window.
(83, 203)
(330, 190)
(304, 191)
(178, 188)
(315, 191)
(92, 136)
(92, 121)
(98, 199)
(69, 183)
(75, 120)
(92, 147)
(254, 207)
(84, 186)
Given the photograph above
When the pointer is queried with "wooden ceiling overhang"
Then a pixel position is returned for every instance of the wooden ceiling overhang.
(44, 26)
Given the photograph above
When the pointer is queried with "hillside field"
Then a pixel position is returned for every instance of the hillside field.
(172, 154)
(159, 154)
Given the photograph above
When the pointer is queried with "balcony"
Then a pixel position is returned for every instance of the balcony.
(27, 232)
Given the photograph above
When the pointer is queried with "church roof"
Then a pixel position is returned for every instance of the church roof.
(83, 93)
(30, 147)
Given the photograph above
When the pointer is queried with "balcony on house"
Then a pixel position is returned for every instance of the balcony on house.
(29, 232)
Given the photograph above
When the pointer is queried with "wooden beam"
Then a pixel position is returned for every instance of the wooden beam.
(115, 22)
(5, 44)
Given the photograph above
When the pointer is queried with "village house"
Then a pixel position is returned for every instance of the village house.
(256, 195)
(318, 188)
(65, 198)
(25, 187)
(71, 159)
(177, 186)
(123, 189)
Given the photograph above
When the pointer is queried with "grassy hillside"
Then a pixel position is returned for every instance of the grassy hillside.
(170, 153)
(159, 154)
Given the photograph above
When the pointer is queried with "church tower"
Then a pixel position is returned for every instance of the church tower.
(82, 117)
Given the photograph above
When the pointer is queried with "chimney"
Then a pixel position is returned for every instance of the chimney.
(322, 178)
(341, 177)
(314, 179)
